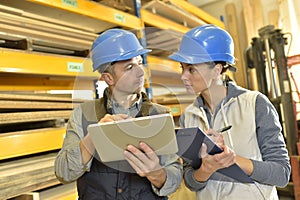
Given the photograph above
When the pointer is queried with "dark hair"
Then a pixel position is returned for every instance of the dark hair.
(109, 68)
(224, 64)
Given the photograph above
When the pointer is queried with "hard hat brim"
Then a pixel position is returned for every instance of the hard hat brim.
(133, 54)
(126, 56)
(188, 59)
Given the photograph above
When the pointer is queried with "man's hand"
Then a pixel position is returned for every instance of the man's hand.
(111, 118)
(146, 163)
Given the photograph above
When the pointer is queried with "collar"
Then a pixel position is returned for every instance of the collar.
(113, 107)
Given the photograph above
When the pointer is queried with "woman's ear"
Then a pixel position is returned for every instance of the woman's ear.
(108, 78)
(220, 68)
(217, 70)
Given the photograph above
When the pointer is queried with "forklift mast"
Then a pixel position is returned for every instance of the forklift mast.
(267, 56)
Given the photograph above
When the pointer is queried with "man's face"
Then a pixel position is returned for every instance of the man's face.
(128, 76)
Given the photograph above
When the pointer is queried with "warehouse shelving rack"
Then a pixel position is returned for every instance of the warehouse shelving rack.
(27, 70)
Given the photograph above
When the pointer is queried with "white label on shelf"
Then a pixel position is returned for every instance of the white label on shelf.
(119, 17)
(75, 67)
(70, 3)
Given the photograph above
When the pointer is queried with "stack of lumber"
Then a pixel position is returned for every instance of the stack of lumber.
(26, 31)
(24, 175)
(175, 102)
(173, 12)
(32, 128)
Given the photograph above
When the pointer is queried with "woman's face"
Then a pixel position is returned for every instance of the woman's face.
(197, 77)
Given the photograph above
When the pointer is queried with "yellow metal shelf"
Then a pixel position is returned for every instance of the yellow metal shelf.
(176, 109)
(28, 142)
(161, 22)
(198, 12)
(13, 82)
(163, 64)
(26, 62)
(94, 10)
(80, 12)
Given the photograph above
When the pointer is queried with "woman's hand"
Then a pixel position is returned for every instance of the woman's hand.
(215, 136)
(212, 163)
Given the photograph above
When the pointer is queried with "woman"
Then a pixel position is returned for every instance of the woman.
(255, 141)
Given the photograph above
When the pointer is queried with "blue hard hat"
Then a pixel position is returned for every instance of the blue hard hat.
(115, 45)
(205, 43)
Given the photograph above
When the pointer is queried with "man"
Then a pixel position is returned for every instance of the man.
(116, 54)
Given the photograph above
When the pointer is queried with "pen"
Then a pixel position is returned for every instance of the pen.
(221, 130)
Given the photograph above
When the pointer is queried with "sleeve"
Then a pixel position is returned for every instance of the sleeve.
(275, 168)
(188, 176)
(173, 168)
(68, 163)
(190, 181)
(181, 120)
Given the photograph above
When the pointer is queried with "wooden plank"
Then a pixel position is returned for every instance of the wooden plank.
(34, 105)
(273, 18)
(25, 175)
(257, 14)
(198, 12)
(295, 163)
(232, 24)
(15, 11)
(157, 21)
(173, 13)
(45, 26)
(250, 32)
(34, 97)
(21, 117)
(57, 40)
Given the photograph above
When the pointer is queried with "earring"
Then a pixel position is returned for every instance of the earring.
(219, 80)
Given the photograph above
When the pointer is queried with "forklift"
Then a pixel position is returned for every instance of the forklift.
(267, 56)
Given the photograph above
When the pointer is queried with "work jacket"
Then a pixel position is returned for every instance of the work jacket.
(240, 111)
(104, 181)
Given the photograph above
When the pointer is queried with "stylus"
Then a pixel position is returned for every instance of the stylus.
(221, 130)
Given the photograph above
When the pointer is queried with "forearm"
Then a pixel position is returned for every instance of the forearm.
(173, 170)
(158, 178)
(87, 149)
(271, 173)
(68, 165)
(245, 164)
(190, 181)
(203, 173)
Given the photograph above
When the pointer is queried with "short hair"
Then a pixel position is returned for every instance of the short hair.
(109, 68)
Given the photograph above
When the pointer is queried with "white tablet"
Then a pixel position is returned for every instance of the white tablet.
(111, 139)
